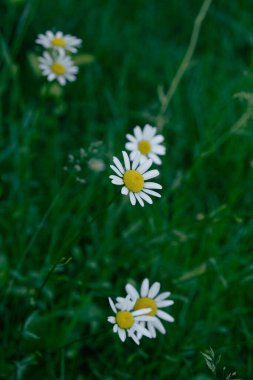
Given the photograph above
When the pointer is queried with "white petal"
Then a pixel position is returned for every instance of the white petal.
(165, 316)
(144, 287)
(115, 177)
(51, 77)
(159, 149)
(159, 326)
(162, 296)
(135, 327)
(151, 192)
(154, 290)
(122, 334)
(112, 305)
(155, 158)
(129, 303)
(151, 174)
(61, 80)
(133, 154)
(132, 198)
(145, 318)
(120, 299)
(70, 77)
(48, 57)
(111, 319)
(118, 165)
(132, 291)
(139, 312)
(115, 328)
(131, 146)
(165, 303)
(145, 166)
(138, 133)
(124, 190)
(139, 199)
(151, 329)
(146, 197)
(134, 337)
(152, 185)
(136, 161)
(149, 132)
(116, 170)
(143, 159)
(131, 138)
(157, 139)
(116, 182)
(143, 331)
(126, 160)
(62, 54)
(50, 34)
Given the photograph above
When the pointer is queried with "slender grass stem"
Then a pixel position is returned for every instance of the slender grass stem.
(165, 98)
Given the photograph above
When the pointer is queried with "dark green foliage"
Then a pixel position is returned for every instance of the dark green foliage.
(57, 267)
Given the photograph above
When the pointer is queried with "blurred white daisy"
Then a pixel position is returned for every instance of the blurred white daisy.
(59, 41)
(147, 143)
(149, 298)
(127, 322)
(58, 66)
(133, 177)
(96, 164)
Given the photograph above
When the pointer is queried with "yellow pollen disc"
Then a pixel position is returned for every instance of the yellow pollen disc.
(133, 180)
(145, 302)
(144, 147)
(58, 41)
(124, 319)
(58, 69)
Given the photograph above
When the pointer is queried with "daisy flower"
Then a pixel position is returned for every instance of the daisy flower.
(147, 143)
(133, 178)
(149, 298)
(59, 41)
(127, 322)
(58, 66)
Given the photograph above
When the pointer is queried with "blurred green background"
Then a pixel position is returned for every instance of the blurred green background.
(196, 240)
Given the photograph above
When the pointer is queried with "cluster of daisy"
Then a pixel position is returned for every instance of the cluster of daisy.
(145, 148)
(56, 62)
(139, 313)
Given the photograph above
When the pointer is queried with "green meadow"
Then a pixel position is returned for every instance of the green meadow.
(69, 239)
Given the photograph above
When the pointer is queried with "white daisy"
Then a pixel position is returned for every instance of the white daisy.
(147, 143)
(59, 41)
(134, 176)
(149, 298)
(58, 66)
(127, 322)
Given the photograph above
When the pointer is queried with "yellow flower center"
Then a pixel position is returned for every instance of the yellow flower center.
(58, 41)
(144, 147)
(58, 69)
(133, 180)
(124, 319)
(145, 302)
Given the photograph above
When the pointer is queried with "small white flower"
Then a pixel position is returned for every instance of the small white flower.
(59, 41)
(149, 298)
(96, 165)
(147, 143)
(134, 176)
(127, 322)
(58, 66)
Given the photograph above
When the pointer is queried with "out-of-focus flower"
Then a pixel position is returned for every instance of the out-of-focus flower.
(59, 40)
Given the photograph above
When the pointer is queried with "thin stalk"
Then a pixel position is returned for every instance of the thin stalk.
(165, 99)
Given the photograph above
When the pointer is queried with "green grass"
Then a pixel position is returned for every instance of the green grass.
(196, 240)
